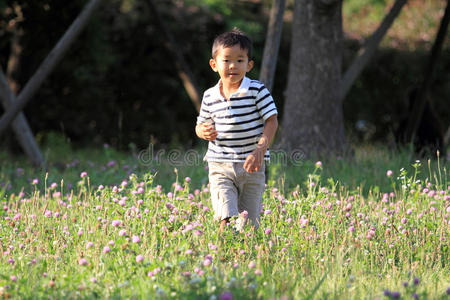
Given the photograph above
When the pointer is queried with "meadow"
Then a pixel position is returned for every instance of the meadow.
(104, 224)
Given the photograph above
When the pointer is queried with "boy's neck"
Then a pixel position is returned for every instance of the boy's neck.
(227, 89)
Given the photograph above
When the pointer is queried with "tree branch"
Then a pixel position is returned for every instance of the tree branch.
(371, 45)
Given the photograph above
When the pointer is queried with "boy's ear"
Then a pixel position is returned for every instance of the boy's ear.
(212, 63)
(250, 65)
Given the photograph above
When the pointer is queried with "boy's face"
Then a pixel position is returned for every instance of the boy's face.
(231, 63)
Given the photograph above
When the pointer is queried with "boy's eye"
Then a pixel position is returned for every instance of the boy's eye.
(240, 60)
(225, 60)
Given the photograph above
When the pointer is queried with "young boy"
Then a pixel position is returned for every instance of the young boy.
(239, 119)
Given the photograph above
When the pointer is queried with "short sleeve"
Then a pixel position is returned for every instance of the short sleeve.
(265, 104)
(205, 114)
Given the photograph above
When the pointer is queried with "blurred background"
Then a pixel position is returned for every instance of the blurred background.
(118, 84)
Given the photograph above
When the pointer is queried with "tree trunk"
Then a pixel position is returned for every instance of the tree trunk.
(16, 49)
(313, 115)
(272, 45)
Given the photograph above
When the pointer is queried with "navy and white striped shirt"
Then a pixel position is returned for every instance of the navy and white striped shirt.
(239, 121)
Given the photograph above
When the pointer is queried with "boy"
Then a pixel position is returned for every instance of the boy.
(239, 119)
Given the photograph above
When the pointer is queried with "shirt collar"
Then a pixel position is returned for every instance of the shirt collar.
(245, 84)
(243, 88)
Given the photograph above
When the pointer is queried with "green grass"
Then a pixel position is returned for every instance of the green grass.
(343, 230)
(363, 171)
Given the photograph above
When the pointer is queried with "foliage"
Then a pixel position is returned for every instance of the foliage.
(116, 233)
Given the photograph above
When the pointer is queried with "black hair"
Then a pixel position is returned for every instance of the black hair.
(231, 38)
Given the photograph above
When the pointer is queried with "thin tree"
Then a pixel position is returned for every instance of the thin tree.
(272, 44)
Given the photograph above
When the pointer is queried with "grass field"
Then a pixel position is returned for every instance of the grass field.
(98, 223)
(115, 226)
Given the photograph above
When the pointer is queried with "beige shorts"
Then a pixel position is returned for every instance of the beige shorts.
(234, 190)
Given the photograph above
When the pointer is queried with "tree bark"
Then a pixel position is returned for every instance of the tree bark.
(420, 101)
(49, 64)
(184, 72)
(371, 45)
(20, 125)
(16, 49)
(313, 115)
(272, 44)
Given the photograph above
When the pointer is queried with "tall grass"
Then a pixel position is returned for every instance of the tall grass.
(339, 229)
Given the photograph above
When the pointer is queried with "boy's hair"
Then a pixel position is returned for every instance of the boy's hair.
(229, 39)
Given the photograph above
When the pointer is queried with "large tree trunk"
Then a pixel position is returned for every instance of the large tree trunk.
(313, 115)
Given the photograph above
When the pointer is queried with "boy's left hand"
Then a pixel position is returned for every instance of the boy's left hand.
(254, 160)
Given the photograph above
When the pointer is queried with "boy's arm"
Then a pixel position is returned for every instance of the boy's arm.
(204, 128)
(206, 131)
(254, 160)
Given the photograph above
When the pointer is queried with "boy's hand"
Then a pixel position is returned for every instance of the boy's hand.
(254, 160)
(206, 131)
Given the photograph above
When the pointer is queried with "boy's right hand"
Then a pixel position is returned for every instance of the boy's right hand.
(206, 131)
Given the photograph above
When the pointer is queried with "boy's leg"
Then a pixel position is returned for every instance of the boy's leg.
(224, 194)
(223, 223)
(251, 194)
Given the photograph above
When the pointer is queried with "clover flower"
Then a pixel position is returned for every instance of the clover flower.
(226, 296)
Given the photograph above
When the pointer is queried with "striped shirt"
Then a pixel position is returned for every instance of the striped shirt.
(239, 121)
